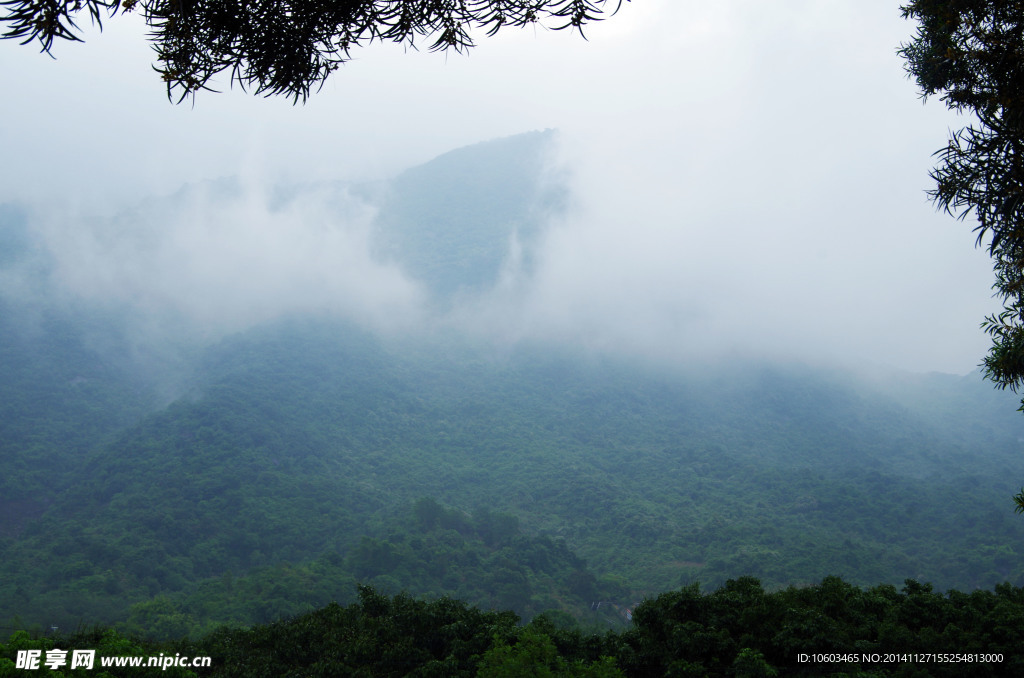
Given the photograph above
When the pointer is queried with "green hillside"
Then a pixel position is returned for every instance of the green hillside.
(307, 455)
(309, 438)
(59, 398)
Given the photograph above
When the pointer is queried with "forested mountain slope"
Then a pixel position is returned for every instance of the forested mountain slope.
(309, 453)
(310, 431)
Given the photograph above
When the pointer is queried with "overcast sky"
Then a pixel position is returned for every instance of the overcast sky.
(747, 175)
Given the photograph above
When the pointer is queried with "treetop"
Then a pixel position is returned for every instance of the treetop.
(286, 47)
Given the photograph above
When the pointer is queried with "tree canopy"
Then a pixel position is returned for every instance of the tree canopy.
(286, 47)
(971, 53)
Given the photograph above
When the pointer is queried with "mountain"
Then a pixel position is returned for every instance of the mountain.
(309, 453)
(451, 222)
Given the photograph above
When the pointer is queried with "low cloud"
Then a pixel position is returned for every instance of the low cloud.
(744, 178)
(220, 257)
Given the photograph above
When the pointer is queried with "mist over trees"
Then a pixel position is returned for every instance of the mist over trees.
(971, 55)
(308, 450)
(379, 459)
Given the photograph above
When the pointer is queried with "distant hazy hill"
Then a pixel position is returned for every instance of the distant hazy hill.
(310, 453)
(450, 222)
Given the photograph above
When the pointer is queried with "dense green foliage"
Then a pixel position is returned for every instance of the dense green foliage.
(310, 442)
(971, 53)
(59, 399)
(740, 629)
(740, 626)
(430, 551)
(308, 456)
(278, 48)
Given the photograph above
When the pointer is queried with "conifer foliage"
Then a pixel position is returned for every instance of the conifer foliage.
(287, 46)
(972, 54)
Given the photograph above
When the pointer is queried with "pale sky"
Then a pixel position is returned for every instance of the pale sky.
(748, 175)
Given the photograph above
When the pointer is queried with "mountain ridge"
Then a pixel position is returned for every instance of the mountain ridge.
(298, 451)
